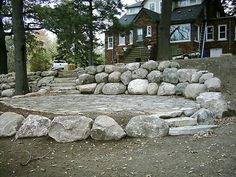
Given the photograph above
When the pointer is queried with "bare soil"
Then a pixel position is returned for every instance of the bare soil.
(206, 155)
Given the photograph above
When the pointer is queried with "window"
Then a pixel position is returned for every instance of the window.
(152, 6)
(210, 33)
(140, 34)
(180, 33)
(110, 43)
(182, 3)
(122, 39)
(196, 32)
(149, 31)
(222, 32)
(131, 37)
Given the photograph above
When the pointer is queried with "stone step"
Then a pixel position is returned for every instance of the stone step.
(181, 121)
(65, 80)
(66, 74)
(190, 130)
(62, 84)
(64, 89)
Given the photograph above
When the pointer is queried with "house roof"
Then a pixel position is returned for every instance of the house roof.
(187, 13)
(154, 16)
(137, 4)
(127, 19)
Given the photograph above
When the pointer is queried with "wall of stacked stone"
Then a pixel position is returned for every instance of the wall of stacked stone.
(36, 80)
(152, 78)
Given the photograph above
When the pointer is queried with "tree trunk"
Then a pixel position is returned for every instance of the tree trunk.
(164, 52)
(3, 50)
(20, 47)
(91, 35)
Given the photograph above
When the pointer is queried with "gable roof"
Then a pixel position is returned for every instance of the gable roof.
(187, 13)
(137, 4)
(153, 15)
(127, 19)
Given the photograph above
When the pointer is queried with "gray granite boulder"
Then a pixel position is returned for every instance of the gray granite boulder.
(152, 89)
(45, 81)
(147, 126)
(5, 86)
(170, 75)
(214, 101)
(205, 77)
(100, 68)
(126, 77)
(150, 65)
(113, 89)
(166, 89)
(138, 87)
(204, 117)
(34, 126)
(98, 89)
(106, 128)
(185, 75)
(70, 128)
(174, 64)
(139, 73)
(109, 69)
(213, 84)
(87, 88)
(120, 67)
(180, 87)
(85, 79)
(8, 93)
(10, 123)
(196, 76)
(132, 66)
(155, 77)
(91, 70)
(163, 65)
(49, 73)
(114, 77)
(101, 77)
(193, 90)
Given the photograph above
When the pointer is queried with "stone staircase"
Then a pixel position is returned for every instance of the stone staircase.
(64, 85)
(132, 54)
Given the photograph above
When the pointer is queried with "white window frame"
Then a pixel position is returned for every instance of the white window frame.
(131, 37)
(187, 3)
(198, 33)
(187, 40)
(160, 6)
(121, 39)
(219, 32)
(213, 31)
(140, 33)
(154, 5)
(149, 31)
(108, 42)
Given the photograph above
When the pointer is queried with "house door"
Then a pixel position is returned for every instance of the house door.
(216, 52)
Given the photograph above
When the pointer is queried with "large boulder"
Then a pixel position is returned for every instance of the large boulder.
(113, 89)
(213, 84)
(101, 77)
(185, 75)
(120, 67)
(106, 128)
(98, 89)
(193, 90)
(91, 70)
(166, 89)
(126, 77)
(49, 73)
(114, 77)
(100, 68)
(85, 79)
(180, 87)
(34, 126)
(139, 73)
(87, 88)
(155, 77)
(214, 101)
(132, 66)
(205, 77)
(5, 86)
(204, 117)
(138, 87)
(163, 65)
(147, 126)
(8, 93)
(109, 69)
(152, 89)
(174, 64)
(150, 65)
(10, 123)
(45, 81)
(170, 75)
(70, 128)
(196, 76)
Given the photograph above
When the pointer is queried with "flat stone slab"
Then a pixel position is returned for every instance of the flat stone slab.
(79, 104)
(181, 121)
(190, 130)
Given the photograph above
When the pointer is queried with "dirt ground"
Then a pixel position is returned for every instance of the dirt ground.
(207, 155)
